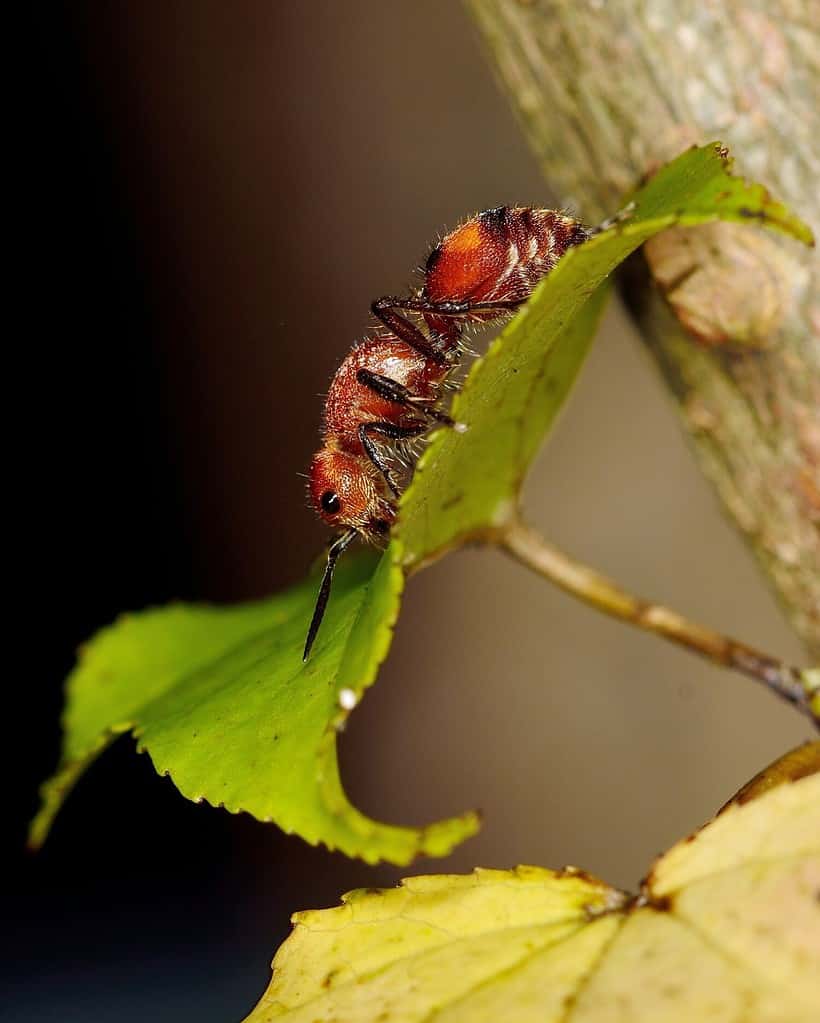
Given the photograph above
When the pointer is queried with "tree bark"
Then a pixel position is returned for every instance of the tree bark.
(607, 91)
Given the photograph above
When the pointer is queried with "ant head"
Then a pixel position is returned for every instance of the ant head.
(347, 491)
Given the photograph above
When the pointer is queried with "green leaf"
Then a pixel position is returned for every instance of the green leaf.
(726, 927)
(221, 700)
(219, 697)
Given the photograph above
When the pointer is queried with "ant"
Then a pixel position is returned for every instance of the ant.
(390, 386)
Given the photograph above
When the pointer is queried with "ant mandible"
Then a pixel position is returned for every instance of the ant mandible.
(390, 386)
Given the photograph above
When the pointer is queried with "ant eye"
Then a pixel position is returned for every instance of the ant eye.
(330, 502)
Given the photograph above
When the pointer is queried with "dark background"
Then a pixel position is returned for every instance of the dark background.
(213, 194)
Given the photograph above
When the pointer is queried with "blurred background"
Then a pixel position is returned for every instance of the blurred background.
(220, 191)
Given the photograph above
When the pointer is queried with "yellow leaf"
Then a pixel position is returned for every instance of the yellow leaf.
(725, 928)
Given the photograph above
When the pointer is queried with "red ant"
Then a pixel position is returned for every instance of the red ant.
(389, 386)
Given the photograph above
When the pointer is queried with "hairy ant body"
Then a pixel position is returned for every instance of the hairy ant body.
(390, 386)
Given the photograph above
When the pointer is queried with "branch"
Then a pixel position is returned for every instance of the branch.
(525, 545)
(608, 91)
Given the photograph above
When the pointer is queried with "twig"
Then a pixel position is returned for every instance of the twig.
(530, 549)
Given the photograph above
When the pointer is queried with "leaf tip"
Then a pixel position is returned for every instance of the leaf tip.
(441, 837)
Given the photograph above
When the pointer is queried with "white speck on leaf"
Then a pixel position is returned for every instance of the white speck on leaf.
(347, 699)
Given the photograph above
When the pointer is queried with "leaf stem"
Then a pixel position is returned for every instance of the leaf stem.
(529, 548)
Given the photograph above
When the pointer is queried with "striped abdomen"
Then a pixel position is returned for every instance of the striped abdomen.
(499, 255)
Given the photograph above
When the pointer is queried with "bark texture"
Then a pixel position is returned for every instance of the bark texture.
(606, 92)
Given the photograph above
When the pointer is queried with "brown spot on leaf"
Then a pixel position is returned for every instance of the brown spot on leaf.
(451, 502)
(750, 214)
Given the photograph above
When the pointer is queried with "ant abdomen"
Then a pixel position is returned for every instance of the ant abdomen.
(498, 256)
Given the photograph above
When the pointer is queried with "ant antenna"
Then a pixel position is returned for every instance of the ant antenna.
(340, 544)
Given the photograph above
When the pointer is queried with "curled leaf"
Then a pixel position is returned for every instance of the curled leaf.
(221, 701)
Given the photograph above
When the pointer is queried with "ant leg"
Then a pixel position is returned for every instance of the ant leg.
(384, 310)
(456, 309)
(390, 390)
(372, 450)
